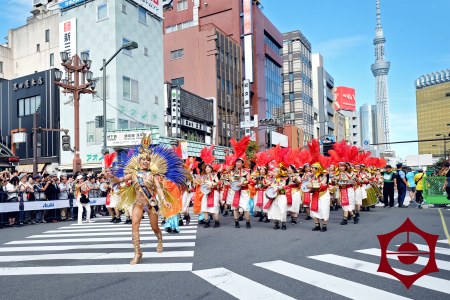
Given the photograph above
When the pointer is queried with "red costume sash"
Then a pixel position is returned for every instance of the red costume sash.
(237, 197)
(108, 199)
(344, 196)
(260, 198)
(210, 199)
(269, 203)
(225, 192)
(315, 202)
(306, 198)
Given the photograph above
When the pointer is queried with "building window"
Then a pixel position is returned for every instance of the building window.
(47, 35)
(291, 76)
(125, 51)
(28, 106)
(52, 59)
(156, 100)
(130, 89)
(102, 11)
(1, 67)
(178, 81)
(291, 96)
(179, 26)
(124, 8)
(182, 5)
(142, 15)
(122, 124)
(145, 51)
(176, 54)
(95, 135)
(38, 47)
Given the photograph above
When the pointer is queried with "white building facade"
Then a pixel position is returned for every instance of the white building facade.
(134, 78)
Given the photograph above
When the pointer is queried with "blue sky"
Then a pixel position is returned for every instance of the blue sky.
(418, 42)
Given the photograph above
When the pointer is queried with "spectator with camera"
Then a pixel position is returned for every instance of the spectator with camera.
(39, 195)
(82, 196)
(65, 189)
(11, 188)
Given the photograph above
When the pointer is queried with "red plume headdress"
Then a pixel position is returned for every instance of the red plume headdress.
(108, 159)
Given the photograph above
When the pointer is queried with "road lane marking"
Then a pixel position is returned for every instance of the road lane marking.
(428, 282)
(346, 288)
(111, 228)
(239, 286)
(104, 233)
(95, 269)
(444, 226)
(423, 261)
(93, 256)
(437, 250)
(96, 240)
(94, 246)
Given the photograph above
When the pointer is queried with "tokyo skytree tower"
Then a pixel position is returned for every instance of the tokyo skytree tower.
(380, 70)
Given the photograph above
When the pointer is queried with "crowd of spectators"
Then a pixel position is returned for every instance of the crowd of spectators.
(44, 188)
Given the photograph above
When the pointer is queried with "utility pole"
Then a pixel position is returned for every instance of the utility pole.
(35, 163)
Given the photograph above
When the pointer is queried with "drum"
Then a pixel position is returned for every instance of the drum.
(103, 186)
(371, 199)
(305, 187)
(204, 188)
(271, 193)
(235, 185)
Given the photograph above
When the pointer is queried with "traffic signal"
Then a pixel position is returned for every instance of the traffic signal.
(66, 143)
(326, 147)
(99, 122)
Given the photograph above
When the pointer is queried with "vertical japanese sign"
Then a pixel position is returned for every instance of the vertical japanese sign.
(246, 96)
(68, 36)
(175, 112)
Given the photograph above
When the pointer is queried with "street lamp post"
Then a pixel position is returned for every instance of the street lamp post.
(75, 84)
(126, 46)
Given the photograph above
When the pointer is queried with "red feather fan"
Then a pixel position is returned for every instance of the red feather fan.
(239, 147)
(177, 150)
(206, 154)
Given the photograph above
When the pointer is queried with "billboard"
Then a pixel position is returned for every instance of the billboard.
(278, 138)
(344, 98)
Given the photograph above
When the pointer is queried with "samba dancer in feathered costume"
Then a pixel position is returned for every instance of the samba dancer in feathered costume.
(147, 174)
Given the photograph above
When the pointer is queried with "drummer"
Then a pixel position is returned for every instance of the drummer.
(306, 196)
(293, 196)
(332, 189)
(344, 179)
(320, 202)
(261, 182)
(210, 200)
(239, 197)
(277, 207)
(358, 186)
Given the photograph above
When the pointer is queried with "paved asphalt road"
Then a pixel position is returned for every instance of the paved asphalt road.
(68, 261)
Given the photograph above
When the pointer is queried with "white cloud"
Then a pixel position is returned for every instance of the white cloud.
(340, 46)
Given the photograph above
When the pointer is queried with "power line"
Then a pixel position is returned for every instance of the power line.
(413, 141)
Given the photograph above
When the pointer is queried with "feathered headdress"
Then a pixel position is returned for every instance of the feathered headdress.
(262, 159)
(239, 148)
(108, 159)
(178, 150)
(206, 154)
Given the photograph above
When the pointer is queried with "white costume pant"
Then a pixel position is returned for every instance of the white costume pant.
(296, 202)
(215, 208)
(278, 210)
(113, 200)
(243, 201)
(324, 208)
(185, 201)
(80, 211)
(351, 200)
(358, 195)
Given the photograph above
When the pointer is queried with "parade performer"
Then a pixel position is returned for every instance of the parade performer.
(209, 182)
(82, 196)
(238, 194)
(277, 207)
(112, 196)
(307, 176)
(261, 181)
(142, 172)
(320, 202)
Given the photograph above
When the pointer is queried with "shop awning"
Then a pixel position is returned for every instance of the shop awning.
(29, 168)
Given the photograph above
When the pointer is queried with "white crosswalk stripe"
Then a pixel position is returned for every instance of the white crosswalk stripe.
(437, 250)
(239, 286)
(423, 261)
(243, 287)
(71, 249)
(428, 282)
(327, 282)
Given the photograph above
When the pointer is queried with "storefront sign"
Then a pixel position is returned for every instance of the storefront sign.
(28, 83)
(68, 3)
(193, 124)
(130, 138)
(68, 36)
(153, 6)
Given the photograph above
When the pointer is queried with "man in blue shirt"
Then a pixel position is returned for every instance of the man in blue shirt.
(411, 185)
(401, 185)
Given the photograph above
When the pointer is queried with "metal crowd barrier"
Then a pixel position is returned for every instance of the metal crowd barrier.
(432, 190)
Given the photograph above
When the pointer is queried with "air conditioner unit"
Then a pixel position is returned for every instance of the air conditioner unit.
(37, 3)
